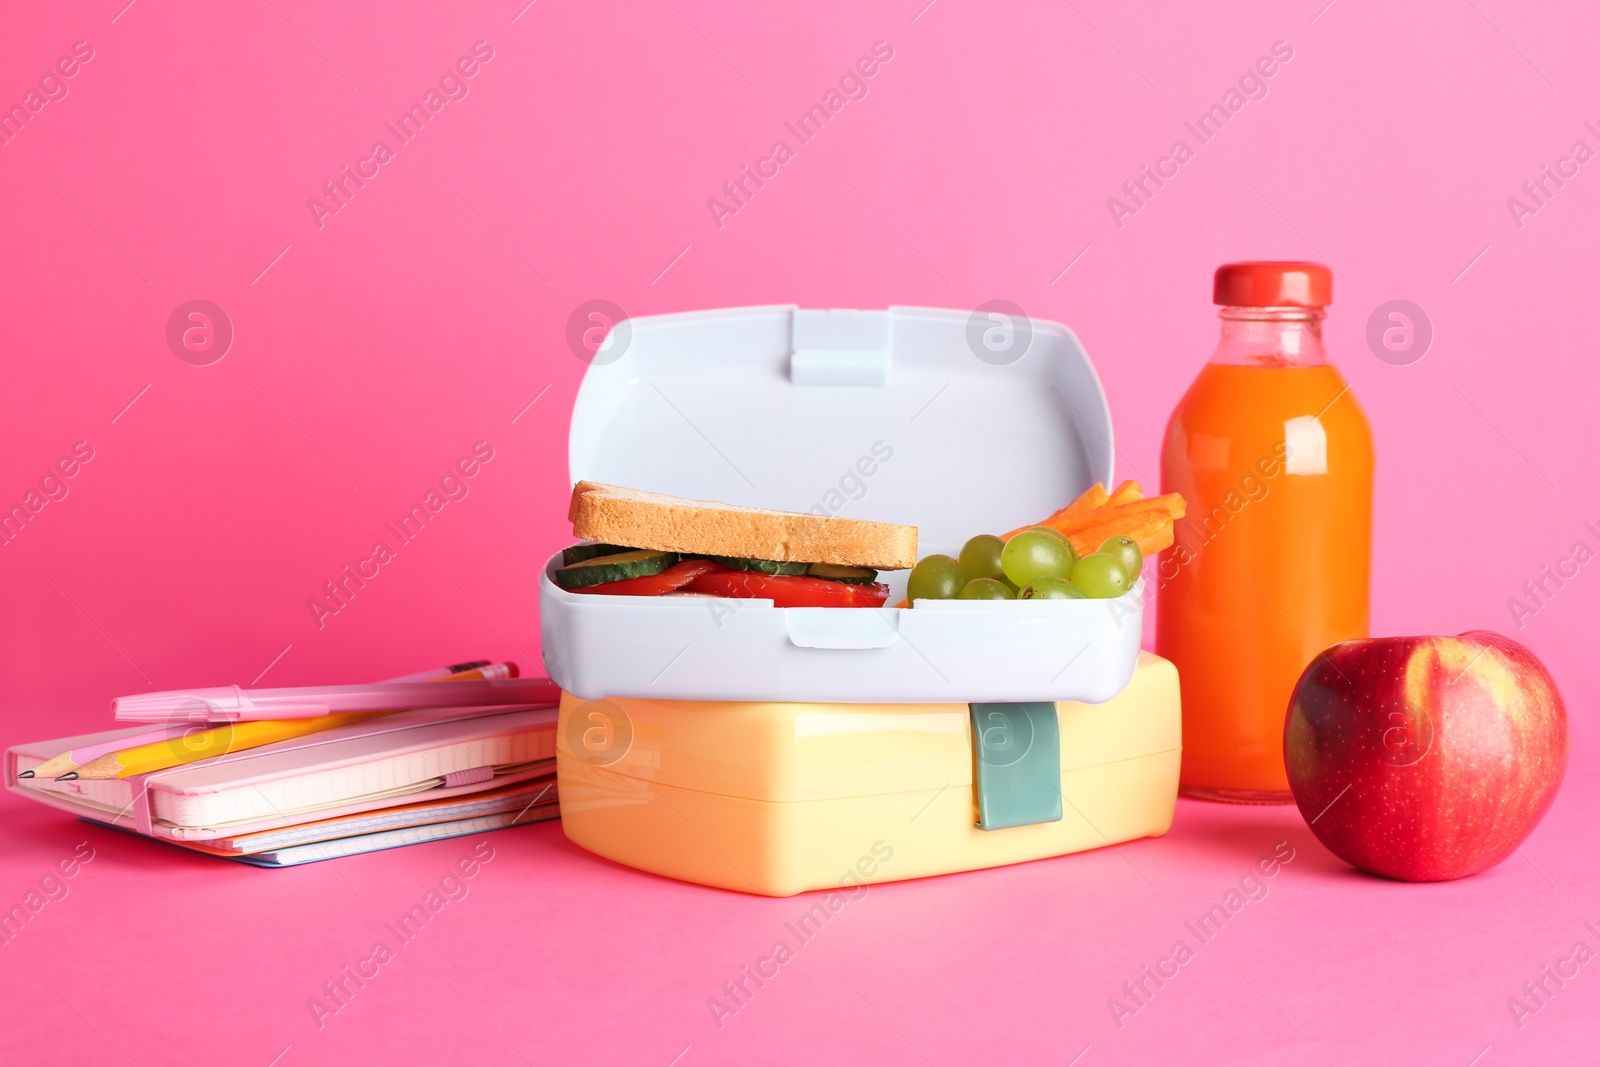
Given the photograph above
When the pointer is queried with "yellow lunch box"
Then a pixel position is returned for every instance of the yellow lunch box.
(777, 799)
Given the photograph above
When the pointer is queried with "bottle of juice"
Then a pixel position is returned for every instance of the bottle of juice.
(1270, 565)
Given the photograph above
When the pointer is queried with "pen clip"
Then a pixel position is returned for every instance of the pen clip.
(243, 709)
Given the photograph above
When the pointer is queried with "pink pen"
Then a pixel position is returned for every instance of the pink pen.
(235, 704)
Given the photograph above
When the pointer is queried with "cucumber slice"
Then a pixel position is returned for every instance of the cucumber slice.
(762, 566)
(579, 553)
(614, 568)
(834, 572)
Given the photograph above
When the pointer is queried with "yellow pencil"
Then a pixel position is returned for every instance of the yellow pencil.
(203, 744)
(73, 758)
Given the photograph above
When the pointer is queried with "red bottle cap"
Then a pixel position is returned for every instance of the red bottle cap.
(1261, 285)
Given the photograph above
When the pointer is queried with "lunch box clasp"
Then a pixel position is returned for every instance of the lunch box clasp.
(840, 348)
(840, 627)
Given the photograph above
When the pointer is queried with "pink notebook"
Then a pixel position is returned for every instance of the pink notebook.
(516, 804)
(391, 761)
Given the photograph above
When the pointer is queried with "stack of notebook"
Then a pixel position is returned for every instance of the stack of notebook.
(379, 780)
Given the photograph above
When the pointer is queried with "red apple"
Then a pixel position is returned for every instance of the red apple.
(1425, 758)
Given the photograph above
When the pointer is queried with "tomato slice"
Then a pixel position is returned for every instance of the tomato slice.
(789, 592)
(674, 577)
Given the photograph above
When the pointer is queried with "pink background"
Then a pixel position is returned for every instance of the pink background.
(431, 310)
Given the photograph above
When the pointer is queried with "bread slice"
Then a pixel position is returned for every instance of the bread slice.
(618, 516)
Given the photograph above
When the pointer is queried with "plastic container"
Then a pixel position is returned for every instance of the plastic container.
(780, 798)
(783, 408)
(764, 733)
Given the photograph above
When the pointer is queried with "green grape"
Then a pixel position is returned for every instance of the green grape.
(980, 557)
(1126, 549)
(935, 577)
(1008, 583)
(1032, 555)
(1101, 576)
(1058, 535)
(986, 589)
(1052, 589)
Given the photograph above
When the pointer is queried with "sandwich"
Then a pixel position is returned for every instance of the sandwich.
(650, 544)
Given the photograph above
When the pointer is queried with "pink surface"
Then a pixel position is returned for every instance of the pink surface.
(373, 352)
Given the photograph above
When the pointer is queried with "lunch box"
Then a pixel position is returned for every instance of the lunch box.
(771, 750)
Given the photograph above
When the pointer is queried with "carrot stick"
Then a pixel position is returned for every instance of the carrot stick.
(1093, 497)
(1090, 499)
(1151, 529)
(1170, 505)
(1126, 493)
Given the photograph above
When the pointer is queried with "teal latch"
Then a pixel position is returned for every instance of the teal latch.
(1017, 772)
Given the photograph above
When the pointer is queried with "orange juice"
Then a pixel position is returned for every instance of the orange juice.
(1271, 563)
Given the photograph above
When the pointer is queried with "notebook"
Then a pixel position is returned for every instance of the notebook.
(350, 846)
(430, 820)
(512, 799)
(370, 766)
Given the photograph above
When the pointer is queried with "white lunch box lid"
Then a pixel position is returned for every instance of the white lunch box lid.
(777, 407)
(956, 422)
